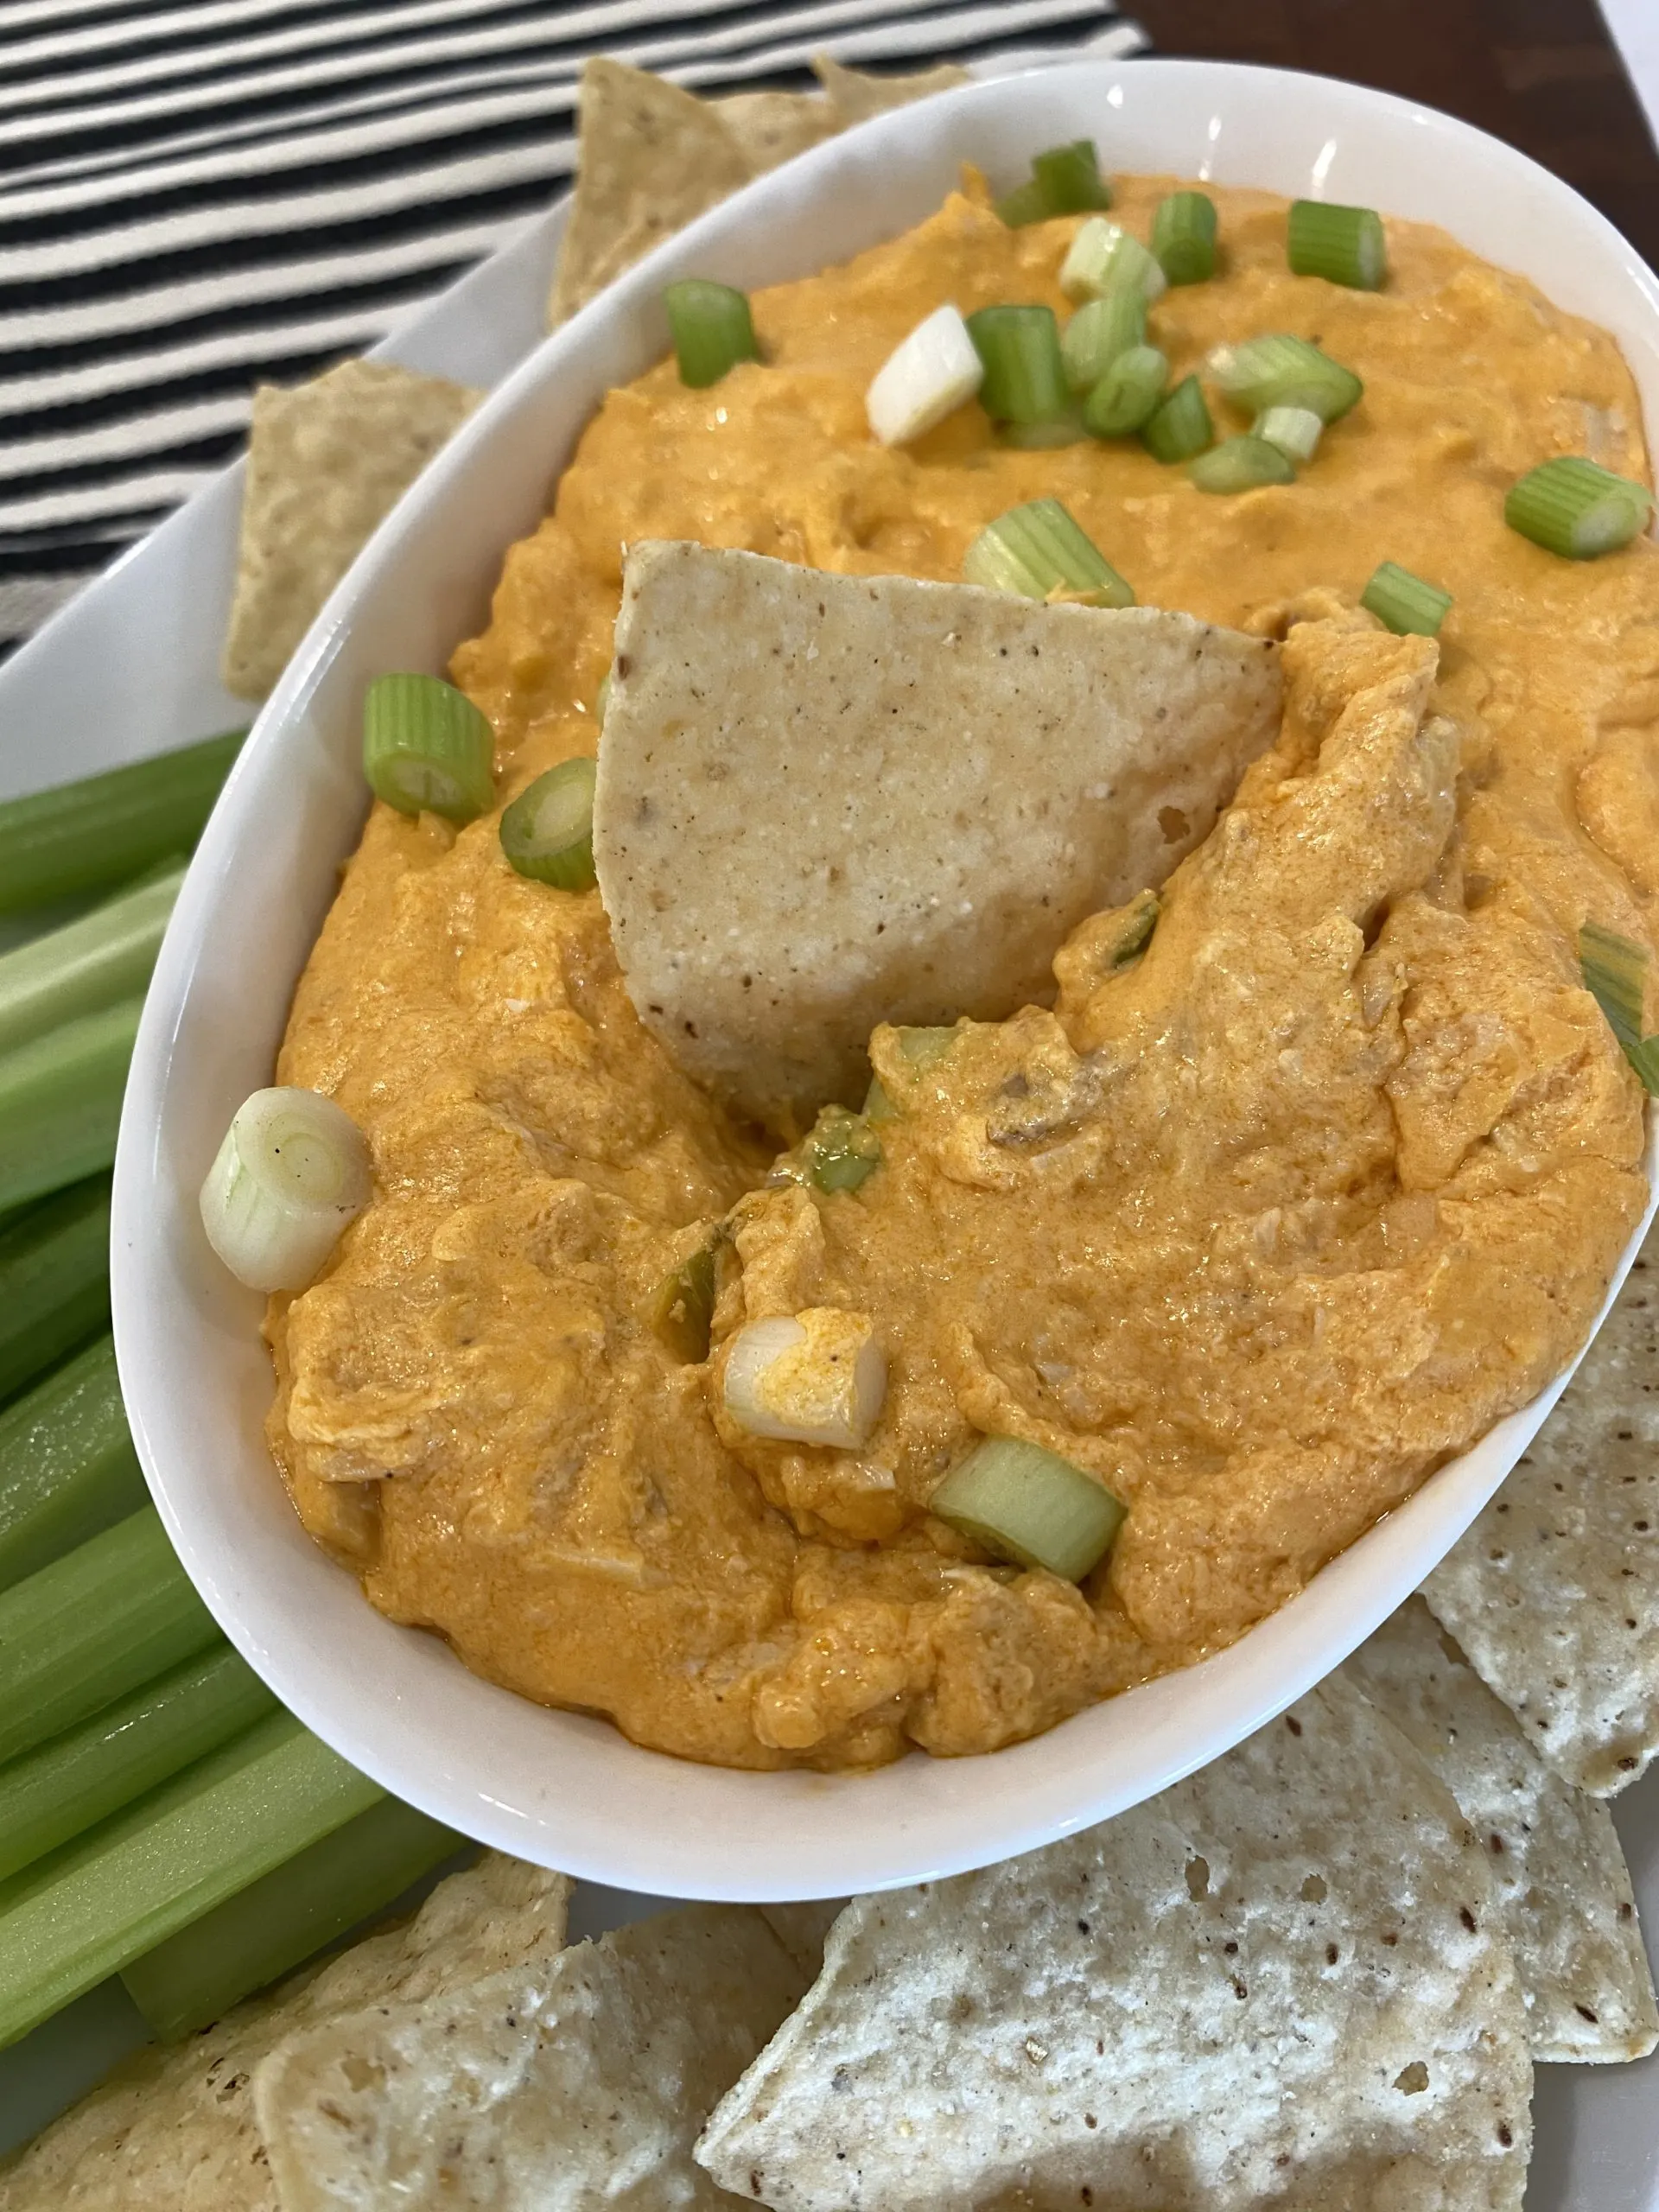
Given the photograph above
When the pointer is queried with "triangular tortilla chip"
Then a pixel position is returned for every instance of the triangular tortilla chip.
(1284, 1983)
(856, 95)
(1555, 1859)
(652, 158)
(772, 128)
(173, 2130)
(1553, 1593)
(826, 802)
(327, 462)
(570, 2085)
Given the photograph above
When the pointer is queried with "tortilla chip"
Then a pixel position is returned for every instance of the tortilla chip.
(651, 158)
(801, 1929)
(772, 128)
(1285, 1982)
(856, 95)
(575, 2084)
(775, 855)
(327, 462)
(1556, 1864)
(1553, 1593)
(173, 2130)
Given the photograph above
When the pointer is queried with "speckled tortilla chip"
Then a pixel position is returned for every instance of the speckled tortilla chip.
(856, 95)
(801, 1929)
(652, 158)
(173, 2130)
(1556, 1861)
(826, 802)
(327, 463)
(1553, 1593)
(571, 2085)
(771, 128)
(1284, 1983)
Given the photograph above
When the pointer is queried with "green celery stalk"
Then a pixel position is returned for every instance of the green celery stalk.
(87, 965)
(113, 1613)
(55, 1280)
(60, 1101)
(276, 1923)
(123, 1887)
(68, 1468)
(104, 829)
(68, 1786)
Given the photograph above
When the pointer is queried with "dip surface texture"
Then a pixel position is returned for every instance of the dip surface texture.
(1261, 1229)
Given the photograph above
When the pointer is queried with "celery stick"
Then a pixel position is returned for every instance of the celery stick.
(60, 1101)
(275, 1924)
(106, 828)
(128, 1885)
(55, 1280)
(106, 955)
(115, 1612)
(79, 1778)
(68, 1468)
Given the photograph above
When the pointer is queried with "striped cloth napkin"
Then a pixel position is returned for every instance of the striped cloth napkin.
(200, 198)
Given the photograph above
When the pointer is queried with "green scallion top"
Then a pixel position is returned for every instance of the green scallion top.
(1577, 509)
(1038, 552)
(427, 748)
(712, 329)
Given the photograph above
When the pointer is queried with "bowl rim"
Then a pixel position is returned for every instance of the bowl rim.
(1239, 1690)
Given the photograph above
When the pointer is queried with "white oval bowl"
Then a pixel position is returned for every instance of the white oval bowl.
(563, 1789)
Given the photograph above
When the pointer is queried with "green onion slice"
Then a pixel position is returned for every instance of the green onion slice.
(1278, 370)
(1404, 603)
(1295, 430)
(291, 1175)
(712, 329)
(1128, 392)
(1021, 1503)
(1042, 437)
(1184, 236)
(548, 832)
(1038, 552)
(1615, 972)
(924, 1047)
(1181, 425)
(425, 747)
(1140, 919)
(1345, 244)
(1026, 203)
(843, 1151)
(1241, 465)
(1098, 333)
(1070, 176)
(1104, 257)
(683, 1308)
(1024, 376)
(1573, 507)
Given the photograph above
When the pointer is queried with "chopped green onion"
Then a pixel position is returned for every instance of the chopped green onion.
(291, 1175)
(1042, 437)
(1280, 370)
(117, 1611)
(684, 1306)
(60, 1101)
(1038, 552)
(602, 698)
(924, 1047)
(1240, 465)
(1024, 378)
(1026, 203)
(548, 832)
(1104, 256)
(926, 376)
(68, 1468)
(712, 329)
(66, 1786)
(1140, 919)
(815, 1377)
(103, 829)
(1615, 974)
(1184, 236)
(1295, 430)
(106, 955)
(1345, 244)
(1181, 425)
(1070, 176)
(275, 1924)
(1098, 333)
(425, 747)
(1021, 1502)
(877, 1106)
(55, 1280)
(102, 1901)
(1128, 393)
(842, 1152)
(1404, 603)
(1573, 507)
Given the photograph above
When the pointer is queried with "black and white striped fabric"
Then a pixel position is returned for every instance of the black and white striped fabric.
(198, 198)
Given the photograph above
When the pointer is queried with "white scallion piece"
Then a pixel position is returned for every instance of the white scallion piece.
(925, 378)
(815, 1377)
(292, 1172)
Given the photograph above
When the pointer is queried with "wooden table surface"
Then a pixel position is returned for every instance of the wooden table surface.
(1542, 73)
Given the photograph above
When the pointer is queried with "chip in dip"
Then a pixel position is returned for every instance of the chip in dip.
(1257, 1229)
